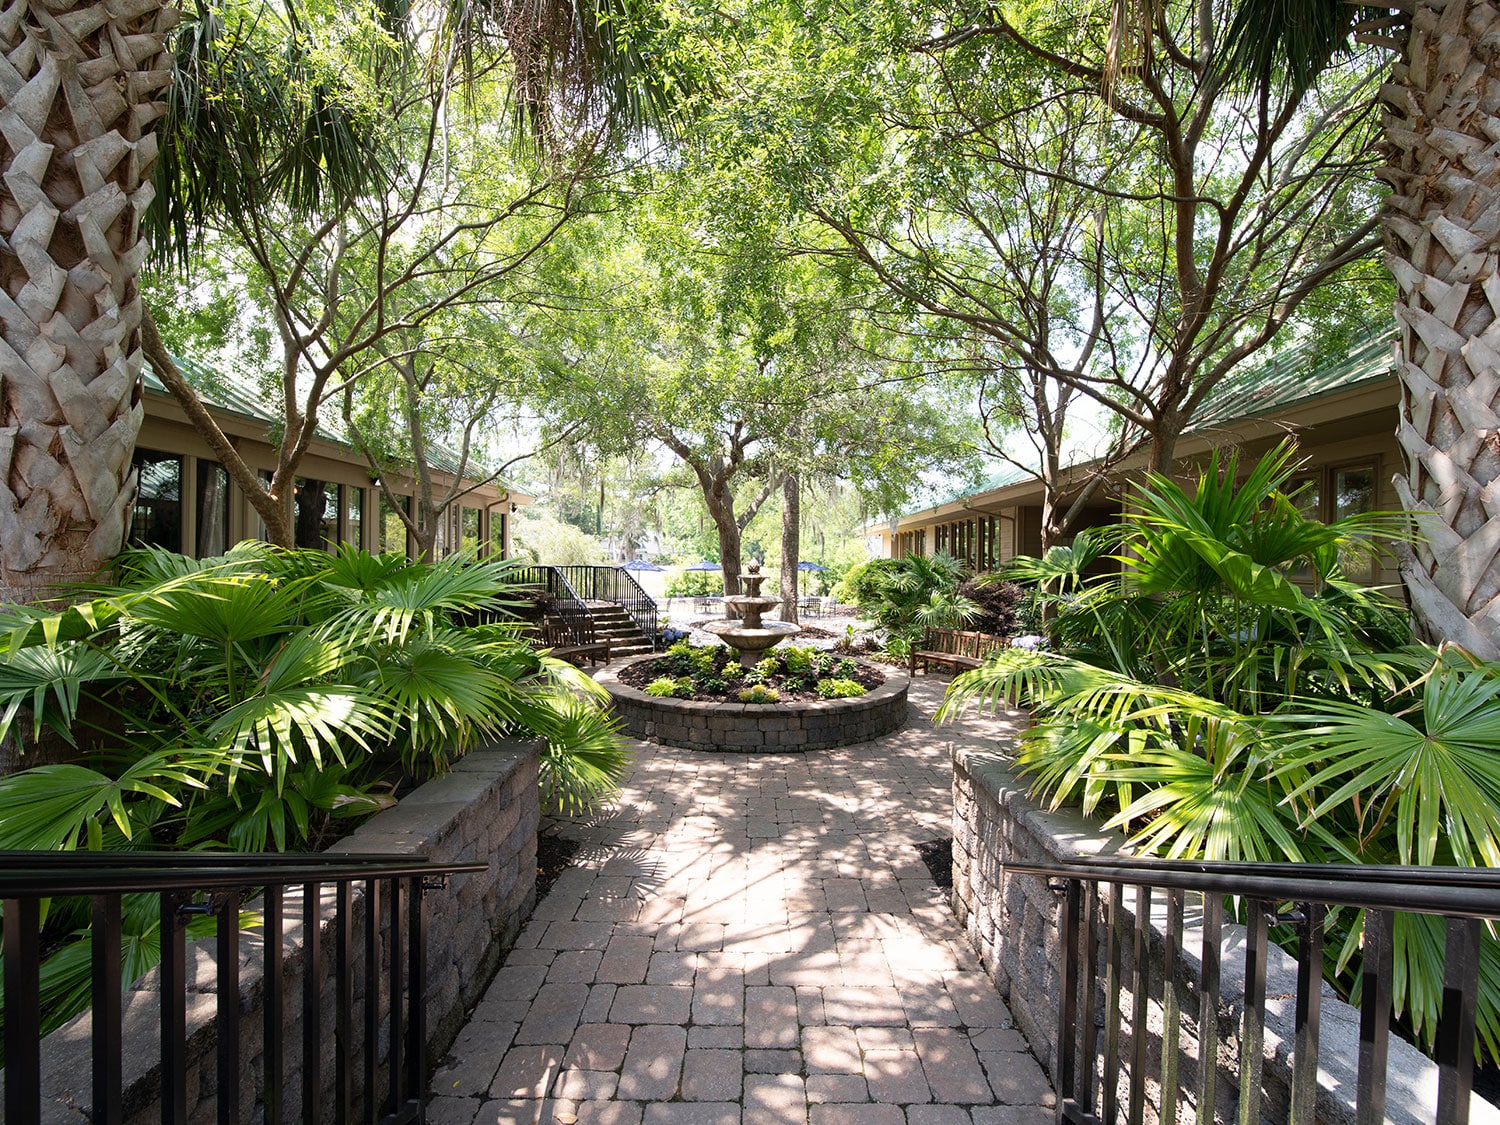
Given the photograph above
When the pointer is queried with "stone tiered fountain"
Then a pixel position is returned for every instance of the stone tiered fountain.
(751, 636)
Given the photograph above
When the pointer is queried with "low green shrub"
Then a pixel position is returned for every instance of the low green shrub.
(759, 693)
(797, 661)
(839, 689)
(663, 687)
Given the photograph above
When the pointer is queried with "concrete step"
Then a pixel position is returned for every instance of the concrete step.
(619, 652)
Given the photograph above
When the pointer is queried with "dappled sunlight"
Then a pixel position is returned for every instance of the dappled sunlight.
(735, 922)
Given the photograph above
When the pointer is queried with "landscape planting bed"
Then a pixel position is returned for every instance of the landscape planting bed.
(758, 727)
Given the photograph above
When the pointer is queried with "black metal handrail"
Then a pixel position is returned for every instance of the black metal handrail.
(1095, 937)
(215, 884)
(618, 586)
(573, 587)
(566, 601)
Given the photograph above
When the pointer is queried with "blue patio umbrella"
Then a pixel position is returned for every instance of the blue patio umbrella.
(805, 567)
(704, 565)
(640, 564)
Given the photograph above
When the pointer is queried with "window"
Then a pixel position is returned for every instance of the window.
(316, 514)
(498, 523)
(1307, 494)
(156, 520)
(213, 510)
(1354, 490)
(470, 539)
(392, 531)
(354, 516)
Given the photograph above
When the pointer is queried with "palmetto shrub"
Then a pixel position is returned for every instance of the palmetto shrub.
(906, 595)
(1229, 694)
(240, 699)
(254, 700)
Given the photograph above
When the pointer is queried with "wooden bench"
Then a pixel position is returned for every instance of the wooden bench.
(575, 641)
(959, 649)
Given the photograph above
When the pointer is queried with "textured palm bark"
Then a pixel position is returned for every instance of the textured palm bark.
(80, 93)
(1442, 229)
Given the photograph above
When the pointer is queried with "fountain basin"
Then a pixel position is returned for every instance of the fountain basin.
(750, 642)
(817, 724)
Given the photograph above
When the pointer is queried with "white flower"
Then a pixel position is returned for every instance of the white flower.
(1030, 642)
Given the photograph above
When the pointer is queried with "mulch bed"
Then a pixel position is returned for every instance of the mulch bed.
(938, 856)
(554, 855)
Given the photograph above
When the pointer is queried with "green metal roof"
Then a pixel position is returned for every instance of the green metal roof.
(1287, 380)
(224, 392)
(1275, 384)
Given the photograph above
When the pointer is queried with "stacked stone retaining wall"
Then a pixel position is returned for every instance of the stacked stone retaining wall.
(1013, 920)
(486, 809)
(753, 727)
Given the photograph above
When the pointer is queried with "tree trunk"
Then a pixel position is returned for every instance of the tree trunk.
(1442, 233)
(77, 149)
(791, 543)
(270, 508)
(729, 558)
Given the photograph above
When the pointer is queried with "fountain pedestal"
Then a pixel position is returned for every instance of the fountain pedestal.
(750, 636)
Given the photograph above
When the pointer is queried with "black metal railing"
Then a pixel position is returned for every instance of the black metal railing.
(567, 602)
(572, 587)
(189, 885)
(613, 584)
(1098, 938)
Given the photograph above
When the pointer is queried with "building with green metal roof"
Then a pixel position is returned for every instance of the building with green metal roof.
(187, 502)
(1341, 412)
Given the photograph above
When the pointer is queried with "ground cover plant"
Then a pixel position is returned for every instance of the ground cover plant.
(1228, 694)
(787, 674)
(267, 699)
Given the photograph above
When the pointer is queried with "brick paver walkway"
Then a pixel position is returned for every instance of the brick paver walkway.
(752, 939)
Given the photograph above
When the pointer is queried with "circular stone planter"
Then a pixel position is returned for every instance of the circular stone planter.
(758, 727)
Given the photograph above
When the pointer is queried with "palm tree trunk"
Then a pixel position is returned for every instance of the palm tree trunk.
(1442, 233)
(76, 148)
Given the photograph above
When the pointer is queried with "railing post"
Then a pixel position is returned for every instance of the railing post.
(1374, 1016)
(227, 952)
(1208, 1007)
(1309, 1011)
(344, 943)
(312, 1004)
(416, 1024)
(1171, 1009)
(1455, 1034)
(273, 1063)
(23, 1008)
(1112, 984)
(104, 937)
(372, 1001)
(173, 978)
(1253, 1029)
(1067, 1008)
(1140, 984)
(397, 987)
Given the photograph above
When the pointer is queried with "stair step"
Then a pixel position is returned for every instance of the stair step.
(619, 652)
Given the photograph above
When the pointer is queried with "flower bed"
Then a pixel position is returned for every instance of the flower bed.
(812, 723)
(713, 674)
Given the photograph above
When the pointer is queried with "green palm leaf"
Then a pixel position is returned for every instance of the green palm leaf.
(1432, 774)
(51, 682)
(584, 759)
(276, 727)
(53, 808)
(227, 609)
